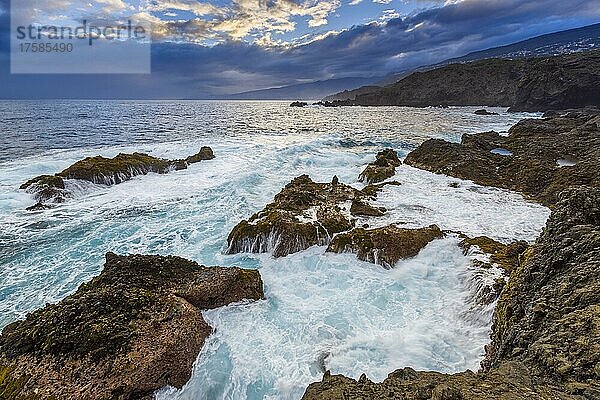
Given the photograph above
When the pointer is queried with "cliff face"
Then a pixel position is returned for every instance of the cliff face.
(546, 334)
(535, 84)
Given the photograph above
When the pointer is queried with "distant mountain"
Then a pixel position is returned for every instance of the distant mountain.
(551, 44)
(523, 84)
(563, 42)
(304, 91)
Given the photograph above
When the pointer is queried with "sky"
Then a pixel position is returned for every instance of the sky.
(203, 49)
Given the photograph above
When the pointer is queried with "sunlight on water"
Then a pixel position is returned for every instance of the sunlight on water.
(321, 310)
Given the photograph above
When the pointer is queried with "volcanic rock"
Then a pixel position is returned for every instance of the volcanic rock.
(384, 246)
(132, 330)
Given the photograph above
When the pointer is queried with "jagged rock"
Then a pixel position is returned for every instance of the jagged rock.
(303, 214)
(486, 254)
(205, 153)
(106, 171)
(546, 331)
(510, 382)
(505, 256)
(382, 168)
(384, 246)
(298, 104)
(47, 188)
(132, 330)
(548, 316)
(539, 157)
(373, 189)
(39, 206)
(360, 208)
(485, 112)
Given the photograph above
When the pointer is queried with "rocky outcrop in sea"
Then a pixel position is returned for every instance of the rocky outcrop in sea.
(384, 246)
(382, 168)
(132, 330)
(303, 214)
(104, 171)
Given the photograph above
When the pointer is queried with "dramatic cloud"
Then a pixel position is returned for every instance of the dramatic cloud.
(247, 52)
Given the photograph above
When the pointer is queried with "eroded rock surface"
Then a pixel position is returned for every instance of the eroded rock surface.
(384, 246)
(106, 171)
(539, 157)
(546, 332)
(132, 330)
(382, 168)
(303, 214)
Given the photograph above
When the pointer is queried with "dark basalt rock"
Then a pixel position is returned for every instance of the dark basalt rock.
(532, 152)
(130, 331)
(382, 168)
(485, 112)
(106, 171)
(384, 246)
(546, 331)
(548, 316)
(298, 104)
(205, 153)
(360, 208)
(303, 214)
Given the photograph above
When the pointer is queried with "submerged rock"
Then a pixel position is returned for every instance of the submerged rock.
(384, 246)
(132, 330)
(534, 145)
(382, 168)
(546, 331)
(106, 171)
(303, 214)
(485, 112)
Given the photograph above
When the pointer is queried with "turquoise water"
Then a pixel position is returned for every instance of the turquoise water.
(321, 310)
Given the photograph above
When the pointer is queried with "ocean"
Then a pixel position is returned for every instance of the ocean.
(321, 310)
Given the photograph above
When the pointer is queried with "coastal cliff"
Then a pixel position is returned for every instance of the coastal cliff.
(534, 84)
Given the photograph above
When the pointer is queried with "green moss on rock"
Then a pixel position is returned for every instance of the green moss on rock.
(382, 168)
(384, 246)
(134, 329)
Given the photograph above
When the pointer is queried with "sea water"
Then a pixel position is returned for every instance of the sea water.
(322, 311)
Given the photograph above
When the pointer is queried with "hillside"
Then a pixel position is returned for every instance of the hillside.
(536, 84)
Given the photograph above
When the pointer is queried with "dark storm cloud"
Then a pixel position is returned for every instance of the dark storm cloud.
(376, 49)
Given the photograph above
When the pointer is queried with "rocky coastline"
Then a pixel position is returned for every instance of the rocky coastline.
(132, 330)
(546, 324)
(533, 84)
(138, 326)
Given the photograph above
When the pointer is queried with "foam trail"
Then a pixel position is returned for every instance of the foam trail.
(322, 310)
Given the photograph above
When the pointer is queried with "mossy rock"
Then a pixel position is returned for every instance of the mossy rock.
(115, 170)
(107, 171)
(382, 168)
(132, 330)
(532, 167)
(504, 256)
(384, 246)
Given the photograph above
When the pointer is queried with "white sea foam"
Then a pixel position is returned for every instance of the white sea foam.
(321, 310)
